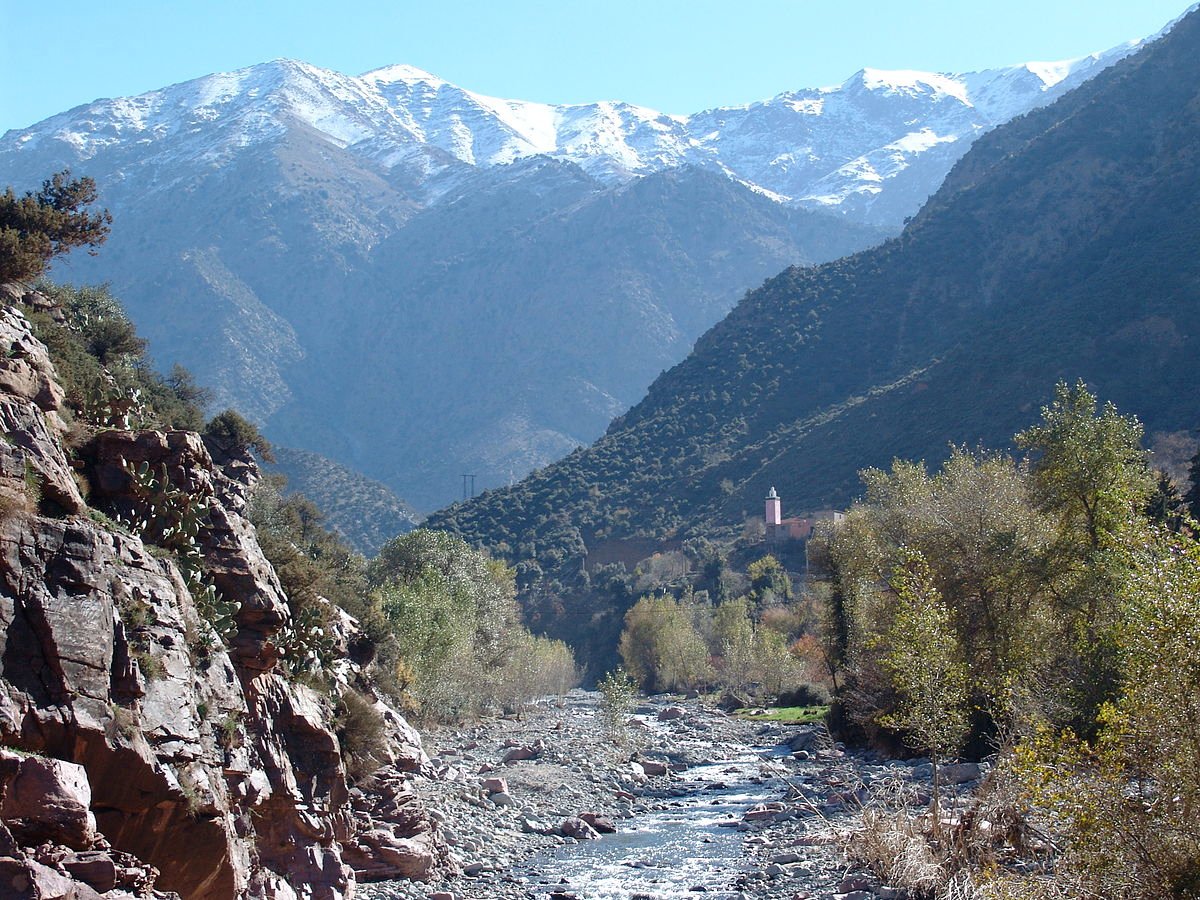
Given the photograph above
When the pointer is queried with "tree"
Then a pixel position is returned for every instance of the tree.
(229, 432)
(35, 228)
(1092, 475)
(1127, 804)
(1090, 467)
(1192, 497)
(924, 660)
(769, 581)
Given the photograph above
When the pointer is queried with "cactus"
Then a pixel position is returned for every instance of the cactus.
(172, 519)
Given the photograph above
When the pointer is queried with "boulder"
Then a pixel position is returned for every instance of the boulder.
(46, 800)
(494, 785)
(959, 773)
(577, 828)
(602, 824)
(805, 740)
(524, 752)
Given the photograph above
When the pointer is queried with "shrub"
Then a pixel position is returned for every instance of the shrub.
(361, 734)
(229, 433)
(617, 694)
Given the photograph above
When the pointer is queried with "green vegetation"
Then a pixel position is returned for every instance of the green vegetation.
(440, 628)
(452, 612)
(36, 227)
(690, 645)
(170, 518)
(787, 715)
(364, 511)
(1035, 608)
(102, 365)
(229, 433)
(1016, 272)
(617, 695)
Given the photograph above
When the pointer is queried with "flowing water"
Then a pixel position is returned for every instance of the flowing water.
(669, 853)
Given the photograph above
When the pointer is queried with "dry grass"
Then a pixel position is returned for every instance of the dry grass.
(987, 849)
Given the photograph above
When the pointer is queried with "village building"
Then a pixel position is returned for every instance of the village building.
(797, 528)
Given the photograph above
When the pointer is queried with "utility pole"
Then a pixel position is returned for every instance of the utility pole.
(468, 492)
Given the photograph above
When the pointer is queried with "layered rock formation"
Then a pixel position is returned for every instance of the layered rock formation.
(167, 759)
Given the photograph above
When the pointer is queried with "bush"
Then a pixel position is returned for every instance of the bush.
(230, 433)
(361, 734)
(102, 366)
(617, 694)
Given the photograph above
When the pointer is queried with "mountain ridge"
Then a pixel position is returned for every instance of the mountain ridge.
(399, 115)
(1060, 247)
(332, 256)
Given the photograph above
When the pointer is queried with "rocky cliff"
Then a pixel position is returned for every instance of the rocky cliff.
(141, 752)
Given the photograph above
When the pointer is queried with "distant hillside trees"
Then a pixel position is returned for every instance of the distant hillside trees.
(36, 227)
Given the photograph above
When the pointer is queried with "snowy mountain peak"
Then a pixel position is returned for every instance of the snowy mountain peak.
(910, 83)
(847, 148)
(401, 73)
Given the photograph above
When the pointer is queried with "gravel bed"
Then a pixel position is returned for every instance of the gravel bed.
(802, 797)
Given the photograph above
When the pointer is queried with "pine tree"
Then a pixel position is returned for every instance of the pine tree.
(37, 227)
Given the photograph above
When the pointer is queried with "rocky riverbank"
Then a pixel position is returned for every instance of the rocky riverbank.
(700, 802)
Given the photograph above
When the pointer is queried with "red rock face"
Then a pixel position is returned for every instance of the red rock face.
(170, 762)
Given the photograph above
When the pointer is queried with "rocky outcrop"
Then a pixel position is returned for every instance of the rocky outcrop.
(45, 804)
(163, 749)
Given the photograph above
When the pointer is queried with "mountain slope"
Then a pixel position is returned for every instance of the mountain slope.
(362, 511)
(479, 285)
(1062, 246)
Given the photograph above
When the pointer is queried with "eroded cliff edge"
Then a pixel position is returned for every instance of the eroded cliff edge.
(182, 762)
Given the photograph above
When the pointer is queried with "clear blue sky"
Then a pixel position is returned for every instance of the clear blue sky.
(677, 56)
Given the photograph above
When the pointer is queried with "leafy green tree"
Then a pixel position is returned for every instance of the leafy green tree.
(1126, 806)
(769, 581)
(1091, 474)
(1089, 467)
(663, 647)
(36, 227)
(925, 663)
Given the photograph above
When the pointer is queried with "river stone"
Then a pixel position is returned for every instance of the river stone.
(577, 828)
(958, 773)
(602, 824)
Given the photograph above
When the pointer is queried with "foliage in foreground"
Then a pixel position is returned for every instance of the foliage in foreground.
(1078, 620)
(36, 227)
(104, 369)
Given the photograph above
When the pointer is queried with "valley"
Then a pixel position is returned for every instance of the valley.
(398, 502)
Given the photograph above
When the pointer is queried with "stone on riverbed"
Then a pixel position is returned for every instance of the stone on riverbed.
(494, 785)
(524, 752)
(577, 828)
(602, 824)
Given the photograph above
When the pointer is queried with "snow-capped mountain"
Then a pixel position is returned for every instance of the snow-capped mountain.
(840, 148)
(477, 284)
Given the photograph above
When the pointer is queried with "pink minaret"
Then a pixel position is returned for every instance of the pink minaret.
(774, 516)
